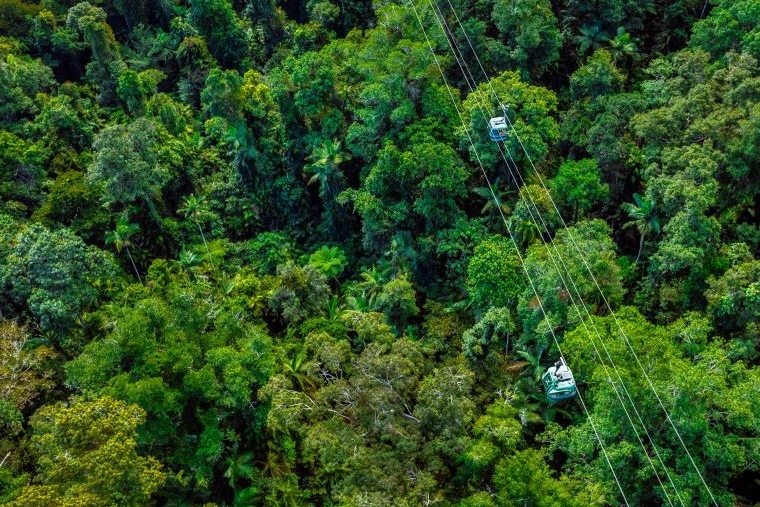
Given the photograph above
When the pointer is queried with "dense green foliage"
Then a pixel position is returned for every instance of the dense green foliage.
(265, 253)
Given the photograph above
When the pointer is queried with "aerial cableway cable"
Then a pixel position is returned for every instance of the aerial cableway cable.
(588, 268)
(459, 55)
(514, 242)
(469, 78)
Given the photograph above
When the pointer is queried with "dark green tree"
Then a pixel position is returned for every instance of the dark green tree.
(131, 164)
(530, 30)
(107, 64)
(221, 28)
(55, 277)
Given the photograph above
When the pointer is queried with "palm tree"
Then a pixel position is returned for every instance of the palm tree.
(532, 398)
(528, 231)
(591, 38)
(240, 467)
(329, 260)
(495, 204)
(324, 166)
(642, 213)
(120, 237)
(623, 45)
(295, 368)
(373, 280)
(193, 209)
(188, 258)
(334, 308)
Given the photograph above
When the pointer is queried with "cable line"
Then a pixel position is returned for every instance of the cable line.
(514, 242)
(588, 268)
(459, 54)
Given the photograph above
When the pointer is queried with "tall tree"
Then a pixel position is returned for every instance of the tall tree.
(107, 63)
(324, 168)
(87, 455)
(577, 187)
(192, 208)
(131, 164)
(531, 110)
(643, 217)
(495, 277)
(121, 236)
(24, 369)
(55, 276)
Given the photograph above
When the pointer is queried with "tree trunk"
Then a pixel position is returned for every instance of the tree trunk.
(213, 268)
(641, 247)
(134, 266)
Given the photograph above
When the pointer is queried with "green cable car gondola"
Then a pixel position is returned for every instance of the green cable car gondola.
(498, 129)
(559, 382)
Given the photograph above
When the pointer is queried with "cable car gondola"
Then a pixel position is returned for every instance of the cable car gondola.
(498, 129)
(559, 382)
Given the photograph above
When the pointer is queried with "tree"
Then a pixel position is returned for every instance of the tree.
(531, 109)
(193, 208)
(730, 25)
(192, 357)
(704, 398)
(643, 217)
(324, 166)
(135, 88)
(268, 250)
(222, 29)
(410, 191)
(23, 84)
(444, 406)
(120, 238)
(561, 272)
(24, 370)
(131, 164)
(732, 300)
(622, 46)
(55, 276)
(246, 121)
(309, 86)
(87, 455)
(531, 33)
(14, 15)
(398, 301)
(492, 329)
(301, 292)
(75, 203)
(392, 64)
(496, 203)
(577, 187)
(106, 64)
(495, 275)
(598, 77)
(592, 37)
(21, 174)
(525, 477)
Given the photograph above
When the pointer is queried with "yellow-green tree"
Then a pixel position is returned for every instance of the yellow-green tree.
(87, 456)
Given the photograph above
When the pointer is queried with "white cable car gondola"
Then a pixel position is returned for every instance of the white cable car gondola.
(498, 129)
(559, 382)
